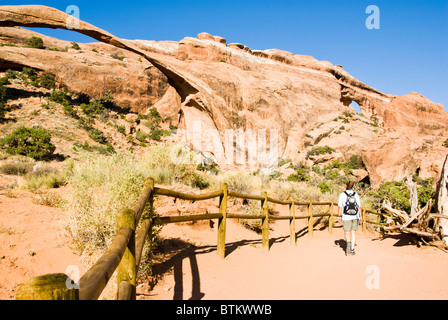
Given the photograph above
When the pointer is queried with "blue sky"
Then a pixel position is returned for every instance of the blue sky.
(408, 53)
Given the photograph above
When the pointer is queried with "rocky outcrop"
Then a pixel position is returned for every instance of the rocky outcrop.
(216, 88)
(415, 129)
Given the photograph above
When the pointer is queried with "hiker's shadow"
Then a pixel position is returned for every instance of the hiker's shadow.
(341, 243)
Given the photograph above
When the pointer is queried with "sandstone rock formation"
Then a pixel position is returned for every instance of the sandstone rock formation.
(220, 90)
(415, 129)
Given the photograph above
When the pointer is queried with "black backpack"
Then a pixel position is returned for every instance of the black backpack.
(351, 206)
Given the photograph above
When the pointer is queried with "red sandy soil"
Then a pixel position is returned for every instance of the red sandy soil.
(316, 268)
(32, 243)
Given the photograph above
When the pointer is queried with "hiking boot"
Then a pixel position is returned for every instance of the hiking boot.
(348, 249)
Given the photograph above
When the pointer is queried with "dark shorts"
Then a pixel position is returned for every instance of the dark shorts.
(350, 225)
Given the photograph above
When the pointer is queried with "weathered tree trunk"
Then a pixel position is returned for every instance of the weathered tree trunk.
(440, 224)
(417, 223)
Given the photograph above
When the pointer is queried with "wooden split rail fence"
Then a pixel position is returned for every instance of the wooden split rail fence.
(125, 252)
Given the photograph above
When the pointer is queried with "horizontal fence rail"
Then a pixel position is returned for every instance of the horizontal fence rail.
(125, 252)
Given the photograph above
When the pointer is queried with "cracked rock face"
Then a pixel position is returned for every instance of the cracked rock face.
(222, 89)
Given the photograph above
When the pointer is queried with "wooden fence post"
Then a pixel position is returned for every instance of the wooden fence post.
(48, 287)
(126, 270)
(292, 223)
(221, 247)
(265, 221)
(310, 218)
(330, 226)
(145, 226)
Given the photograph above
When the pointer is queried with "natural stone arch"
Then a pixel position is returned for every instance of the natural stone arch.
(38, 16)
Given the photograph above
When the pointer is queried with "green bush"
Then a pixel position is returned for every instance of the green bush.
(157, 134)
(47, 81)
(94, 108)
(301, 175)
(140, 136)
(3, 93)
(86, 123)
(11, 74)
(30, 72)
(75, 46)
(4, 81)
(70, 111)
(395, 192)
(33, 143)
(59, 97)
(116, 56)
(398, 194)
(35, 42)
(320, 150)
(3, 99)
(154, 119)
(97, 135)
(324, 187)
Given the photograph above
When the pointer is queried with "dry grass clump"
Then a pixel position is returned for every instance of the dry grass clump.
(99, 188)
(102, 186)
(36, 175)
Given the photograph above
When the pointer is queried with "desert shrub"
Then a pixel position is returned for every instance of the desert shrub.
(86, 122)
(398, 194)
(70, 111)
(301, 175)
(212, 168)
(157, 134)
(140, 136)
(35, 42)
(50, 180)
(100, 187)
(3, 94)
(395, 192)
(95, 107)
(75, 46)
(172, 163)
(116, 56)
(30, 72)
(154, 118)
(47, 198)
(59, 97)
(121, 129)
(17, 165)
(33, 143)
(97, 136)
(324, 187)
(47, 81)
(320, 150)
(241, 182)
(355, 162)
(4, 81)
(11, 74)
(445, 143)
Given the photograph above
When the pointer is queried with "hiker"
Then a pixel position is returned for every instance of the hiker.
(350, 215)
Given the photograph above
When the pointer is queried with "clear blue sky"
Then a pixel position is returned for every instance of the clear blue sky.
(408, 53)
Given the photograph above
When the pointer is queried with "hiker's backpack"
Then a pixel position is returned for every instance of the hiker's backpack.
(351, 206)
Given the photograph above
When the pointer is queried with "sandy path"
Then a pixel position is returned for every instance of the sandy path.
(32, 243)
(316, 268)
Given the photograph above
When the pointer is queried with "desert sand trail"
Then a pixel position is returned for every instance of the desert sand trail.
(33, 244)
(316, 268)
